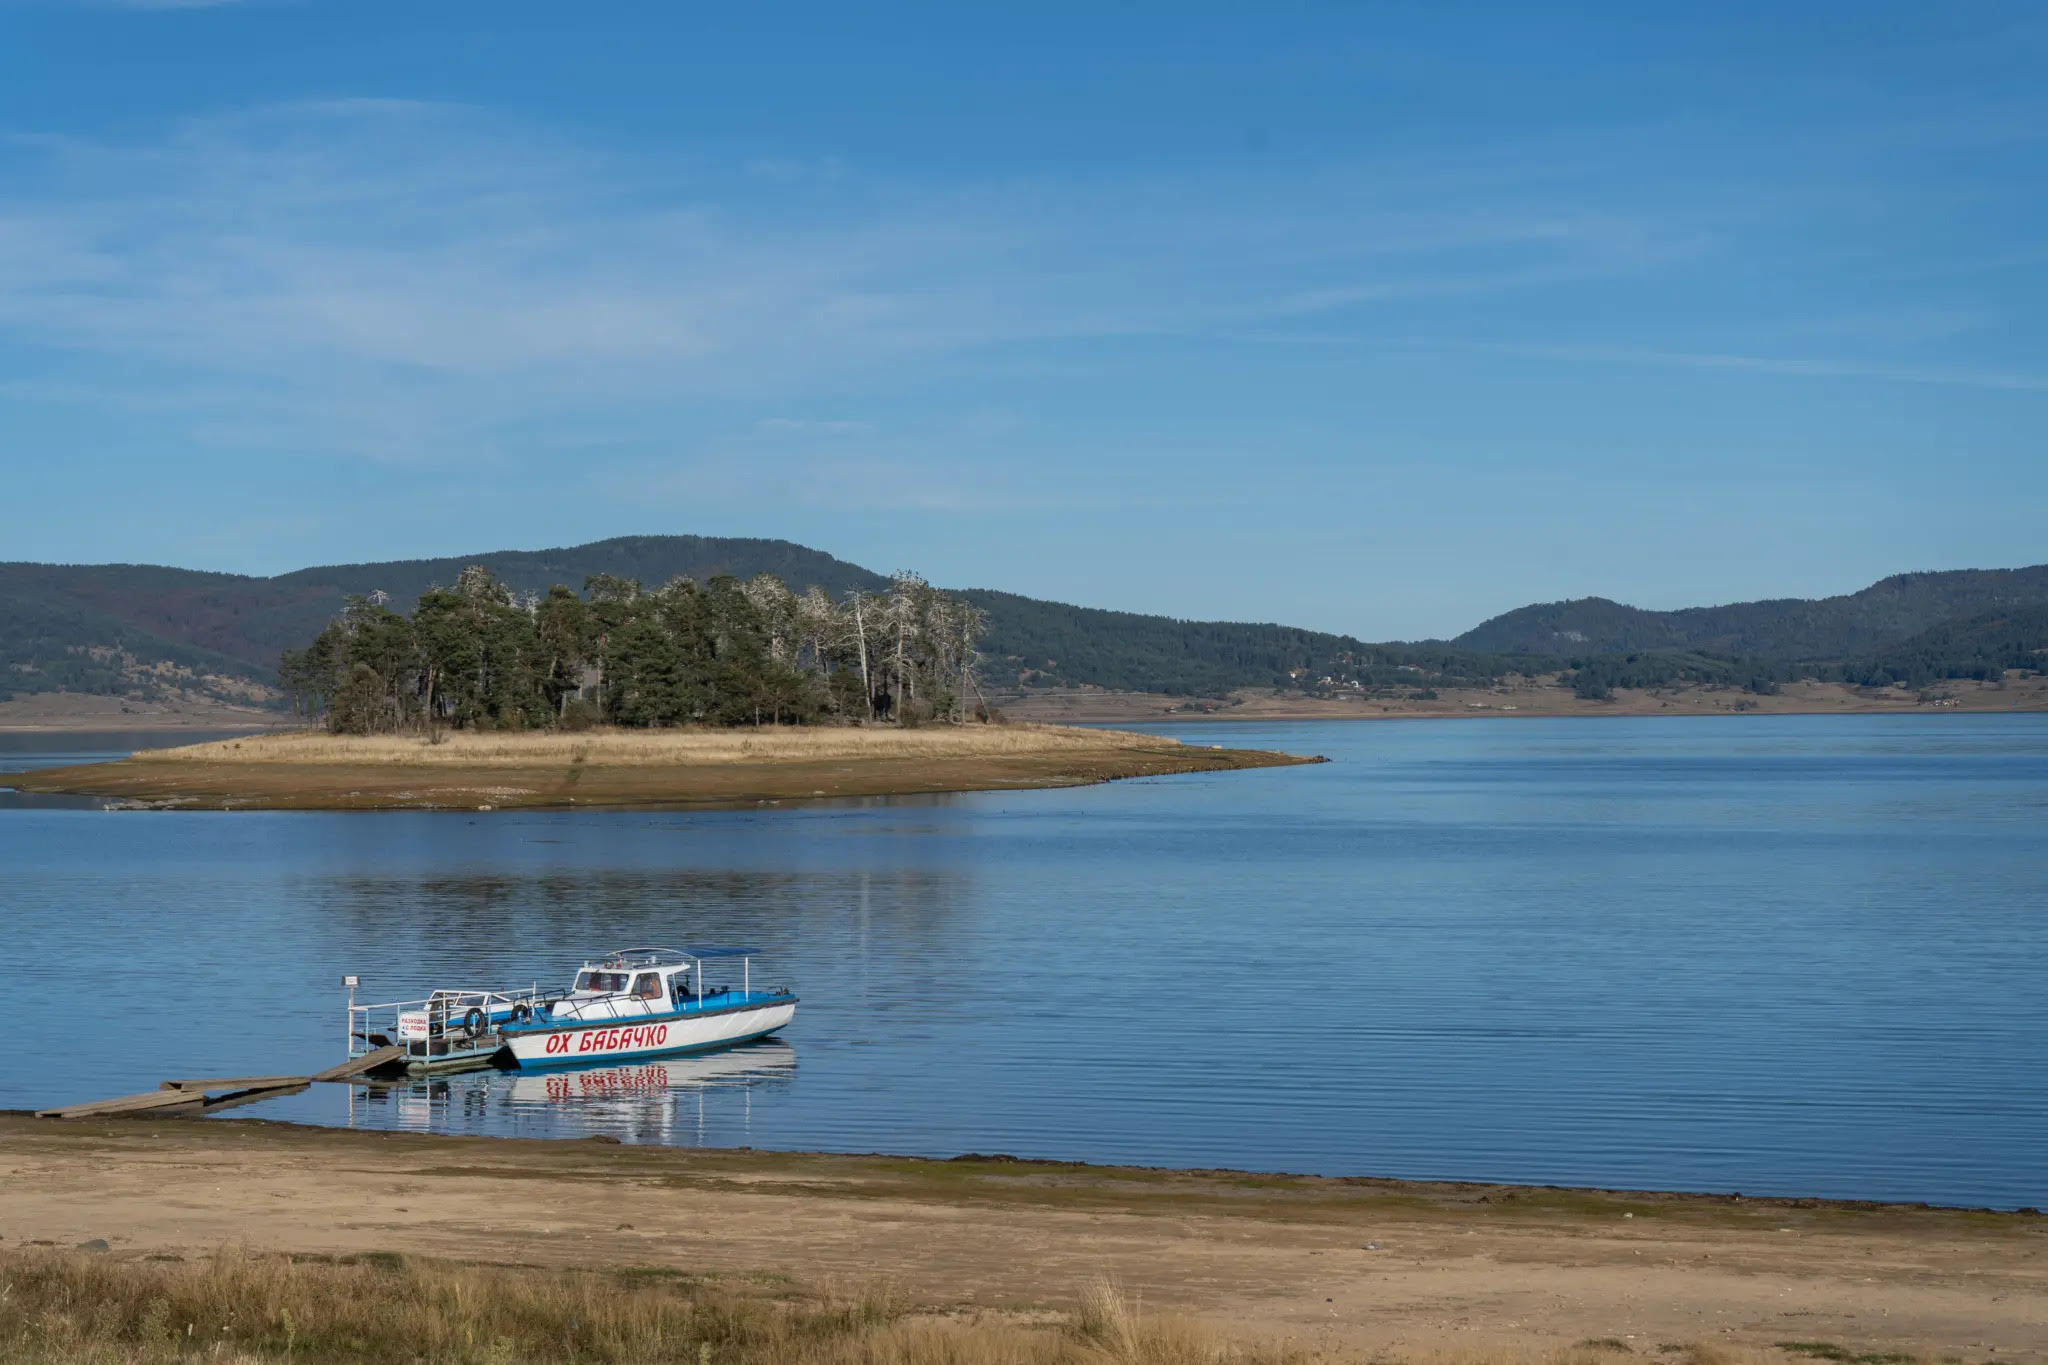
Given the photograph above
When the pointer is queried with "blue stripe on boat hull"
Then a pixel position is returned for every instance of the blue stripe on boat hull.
(569, 1062)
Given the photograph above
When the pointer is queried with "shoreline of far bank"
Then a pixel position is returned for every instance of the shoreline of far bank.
(465, 770)
(142, 727)
(60, 713)
(72, 712)
(1087, 706)
(1356, 1266)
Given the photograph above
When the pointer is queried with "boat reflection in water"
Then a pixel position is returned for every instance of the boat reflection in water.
(688, 1101)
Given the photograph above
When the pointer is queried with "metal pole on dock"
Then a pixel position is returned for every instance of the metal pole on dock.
(348, 1040)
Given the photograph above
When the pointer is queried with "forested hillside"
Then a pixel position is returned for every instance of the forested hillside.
(120, 627)
(244, 623)
(53, 646)
(1830, 628)
(1974, 647)
(1036, 643)
(652, 560)
(241, 625)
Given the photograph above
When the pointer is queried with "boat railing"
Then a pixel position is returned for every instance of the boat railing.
(468, 1012)
(723, 996)
(622, 1005)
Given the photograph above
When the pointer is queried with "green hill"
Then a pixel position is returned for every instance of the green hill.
(1791, 628)
(1041, 643)
(119, 627)
(54, 618)
(1973, 647)
(59, 646)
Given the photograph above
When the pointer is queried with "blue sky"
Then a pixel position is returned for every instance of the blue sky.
(1373, 318)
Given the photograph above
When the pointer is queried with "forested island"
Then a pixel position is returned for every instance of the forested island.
(479, 655)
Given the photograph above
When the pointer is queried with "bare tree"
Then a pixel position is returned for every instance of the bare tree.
(777, 607)
(817, 624)
(908, 602)
(857, 603)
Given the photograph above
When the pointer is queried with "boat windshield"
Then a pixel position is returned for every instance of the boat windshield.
(609, 983)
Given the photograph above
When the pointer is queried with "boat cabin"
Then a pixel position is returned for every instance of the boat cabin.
(634, 982)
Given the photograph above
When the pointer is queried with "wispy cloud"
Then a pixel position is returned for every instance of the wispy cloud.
(162, 4)
(395, 278)
(1941, 375)
(798, 426)
(1948, 376)
(411, 281)
(847, 466)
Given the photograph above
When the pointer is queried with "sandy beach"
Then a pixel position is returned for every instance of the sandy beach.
(1341, 1269)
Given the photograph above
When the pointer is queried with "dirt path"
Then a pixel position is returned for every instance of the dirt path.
(1350, 1265)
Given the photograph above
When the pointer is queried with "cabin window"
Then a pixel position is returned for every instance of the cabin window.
(609, 983)
(648, 986)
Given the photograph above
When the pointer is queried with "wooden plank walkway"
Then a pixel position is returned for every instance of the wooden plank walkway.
(232, 1082)
(191, 1096)
(251, 1096)
(157, 1100)
(356, 1066)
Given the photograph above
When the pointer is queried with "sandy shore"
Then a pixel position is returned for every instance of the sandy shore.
(310, 770)
(1348, 1266)
(1529, 697)
(62, 711)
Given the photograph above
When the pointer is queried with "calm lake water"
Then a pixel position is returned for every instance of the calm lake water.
(1796, 955)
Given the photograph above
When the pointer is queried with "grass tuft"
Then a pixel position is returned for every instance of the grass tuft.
(1828, 1350)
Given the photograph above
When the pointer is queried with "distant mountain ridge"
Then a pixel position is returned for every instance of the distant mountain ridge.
(242, 623)
(1788, 628)
(109, 627)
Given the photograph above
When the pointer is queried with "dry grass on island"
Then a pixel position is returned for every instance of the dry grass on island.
(306, 769)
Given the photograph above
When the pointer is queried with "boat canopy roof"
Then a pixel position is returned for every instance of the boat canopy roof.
(670, 957)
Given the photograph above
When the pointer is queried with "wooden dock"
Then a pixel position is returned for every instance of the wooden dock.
(233, 1083)
(363, 1065)
(182, 1098)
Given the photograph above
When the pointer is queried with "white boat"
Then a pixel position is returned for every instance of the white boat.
(630, 1005)
(646, 1002)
